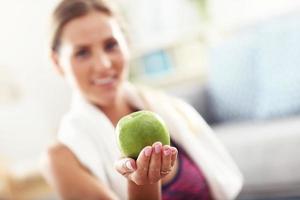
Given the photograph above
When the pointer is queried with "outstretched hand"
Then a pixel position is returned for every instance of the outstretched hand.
(153, 163)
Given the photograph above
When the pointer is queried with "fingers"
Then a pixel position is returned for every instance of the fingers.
(174, 156)
(166, 161)
(142, 162)
(155, 163)
(125, 166)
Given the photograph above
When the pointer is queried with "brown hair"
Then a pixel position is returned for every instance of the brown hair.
(68, 10)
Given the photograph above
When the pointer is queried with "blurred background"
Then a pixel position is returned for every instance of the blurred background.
(236, 61)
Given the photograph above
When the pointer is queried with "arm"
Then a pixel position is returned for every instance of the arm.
(70, 179)
(149, 191)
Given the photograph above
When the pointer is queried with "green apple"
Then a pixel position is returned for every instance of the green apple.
(140, 129)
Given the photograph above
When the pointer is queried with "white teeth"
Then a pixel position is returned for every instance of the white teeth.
(104, 81)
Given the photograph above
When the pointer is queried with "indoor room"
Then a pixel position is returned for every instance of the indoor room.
(226, 71)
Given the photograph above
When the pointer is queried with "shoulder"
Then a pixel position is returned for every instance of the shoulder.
(58, 149)
(53, 159)
(57, 153)
(58, 161)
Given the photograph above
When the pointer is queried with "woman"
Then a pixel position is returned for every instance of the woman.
(90, 51)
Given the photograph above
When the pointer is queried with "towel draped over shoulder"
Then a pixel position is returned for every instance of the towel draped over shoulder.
(90, 135)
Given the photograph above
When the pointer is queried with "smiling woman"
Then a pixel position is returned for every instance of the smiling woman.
(90, 52)
(93, 57)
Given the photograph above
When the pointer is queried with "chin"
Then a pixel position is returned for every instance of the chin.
(104, 100)
(105, 96)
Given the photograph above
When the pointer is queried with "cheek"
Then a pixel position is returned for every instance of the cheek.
(121, 62)
(125, 68)
(124, 56)
(77, 75)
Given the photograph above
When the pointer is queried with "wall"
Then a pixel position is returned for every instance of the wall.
(33, 96)
(29, 119)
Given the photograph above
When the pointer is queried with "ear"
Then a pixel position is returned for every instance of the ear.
(56, 63)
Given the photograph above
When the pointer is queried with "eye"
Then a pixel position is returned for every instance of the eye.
(82, 53)
(111, 45)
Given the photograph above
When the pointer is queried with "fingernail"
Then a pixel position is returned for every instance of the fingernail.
(167, 152)
(128, 165)
(174, 151)
(157, 147)
(148, 151)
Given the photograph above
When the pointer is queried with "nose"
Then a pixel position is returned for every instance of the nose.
(102, 61)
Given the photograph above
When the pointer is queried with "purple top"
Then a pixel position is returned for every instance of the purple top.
(188, 183)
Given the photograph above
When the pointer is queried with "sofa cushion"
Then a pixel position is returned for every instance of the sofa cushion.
(279, 68)
(256, 74)
(233, 78)
(267, 154)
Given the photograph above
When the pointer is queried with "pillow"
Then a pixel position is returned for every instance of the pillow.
(232, 82)
(279, 68)
(256, 74)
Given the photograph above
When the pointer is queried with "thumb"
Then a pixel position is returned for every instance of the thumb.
(125, 166)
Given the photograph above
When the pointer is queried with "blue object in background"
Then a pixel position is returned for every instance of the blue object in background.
(256, 74)
(233, 79)
(279, 68)
(157, 64)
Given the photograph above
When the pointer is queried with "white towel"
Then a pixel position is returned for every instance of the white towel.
(91, 137)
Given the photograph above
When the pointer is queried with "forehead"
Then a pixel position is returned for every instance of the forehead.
(90, 28)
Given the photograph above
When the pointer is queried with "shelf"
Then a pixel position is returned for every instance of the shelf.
(174, 78)
(164, 42)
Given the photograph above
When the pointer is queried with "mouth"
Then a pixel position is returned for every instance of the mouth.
(105, 81)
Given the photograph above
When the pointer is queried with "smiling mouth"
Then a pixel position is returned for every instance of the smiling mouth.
(105, 81)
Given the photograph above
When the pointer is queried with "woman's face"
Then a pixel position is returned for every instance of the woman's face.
(93, 57)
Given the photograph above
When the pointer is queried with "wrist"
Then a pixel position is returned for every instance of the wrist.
(147, 191)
